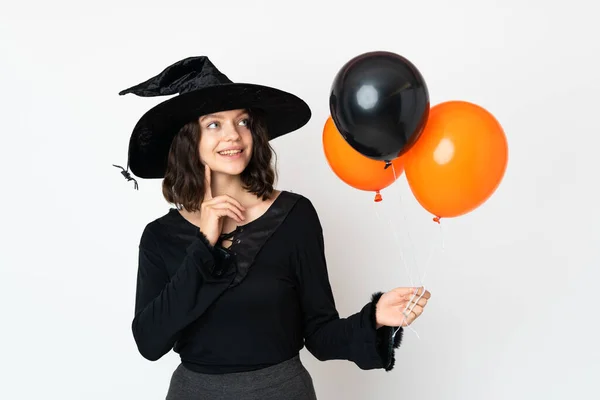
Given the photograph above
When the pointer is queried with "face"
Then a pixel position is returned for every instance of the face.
(226, 141)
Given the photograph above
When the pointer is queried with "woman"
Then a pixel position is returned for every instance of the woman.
(234, 277)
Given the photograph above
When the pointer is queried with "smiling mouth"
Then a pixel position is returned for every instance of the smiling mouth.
(229, 152)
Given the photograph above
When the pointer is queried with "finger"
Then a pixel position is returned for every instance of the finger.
(226, 198)
(223, 201)
(226, 205)
(405, 292)
(422, 301)
(418, 295)
(207, 182)
(417, 310)
(229, 206)
(409, 307)
(413, 308)
(409, 317)
(404, 300)
(225, 212)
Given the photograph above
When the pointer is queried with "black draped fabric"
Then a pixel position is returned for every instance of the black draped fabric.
(253, 305)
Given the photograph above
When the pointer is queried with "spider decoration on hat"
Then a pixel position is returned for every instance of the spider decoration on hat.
(127, 175)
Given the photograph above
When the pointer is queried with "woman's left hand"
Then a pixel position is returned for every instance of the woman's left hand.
(401, 306)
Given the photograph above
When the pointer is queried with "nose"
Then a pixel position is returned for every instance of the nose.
(230, 132)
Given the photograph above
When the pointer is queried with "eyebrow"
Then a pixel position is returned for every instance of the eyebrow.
(216, 116)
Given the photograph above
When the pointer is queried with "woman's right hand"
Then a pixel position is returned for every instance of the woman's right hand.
(213, 210)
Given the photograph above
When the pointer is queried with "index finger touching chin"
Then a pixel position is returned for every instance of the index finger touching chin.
(207, 189)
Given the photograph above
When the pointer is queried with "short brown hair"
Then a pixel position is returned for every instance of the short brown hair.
(183, 184)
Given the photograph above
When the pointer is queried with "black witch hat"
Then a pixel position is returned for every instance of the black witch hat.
(202, 89)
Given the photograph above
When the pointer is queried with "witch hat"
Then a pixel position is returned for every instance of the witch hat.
(201, 89)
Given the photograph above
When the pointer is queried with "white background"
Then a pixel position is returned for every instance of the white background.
(514, 307)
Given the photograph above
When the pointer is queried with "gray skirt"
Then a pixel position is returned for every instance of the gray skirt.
(288, 380)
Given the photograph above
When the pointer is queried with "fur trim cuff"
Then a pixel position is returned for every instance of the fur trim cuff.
(204, 239)
(386, 342)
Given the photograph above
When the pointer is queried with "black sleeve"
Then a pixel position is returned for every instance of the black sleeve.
(165, 305)
(327, 336)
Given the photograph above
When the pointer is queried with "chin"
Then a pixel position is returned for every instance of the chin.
(229, 168)
(232, 171)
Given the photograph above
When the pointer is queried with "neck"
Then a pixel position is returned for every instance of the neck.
(231, 185)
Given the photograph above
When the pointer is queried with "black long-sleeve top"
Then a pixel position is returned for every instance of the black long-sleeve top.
(253, 305)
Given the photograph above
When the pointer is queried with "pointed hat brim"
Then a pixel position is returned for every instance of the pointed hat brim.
(151, 138)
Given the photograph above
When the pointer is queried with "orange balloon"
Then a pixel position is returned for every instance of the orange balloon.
(355, 169)
(459, 160)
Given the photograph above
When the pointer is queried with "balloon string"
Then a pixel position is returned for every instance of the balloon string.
(394, 233)
(430, 257)
(422, 272)
(422, 280)
(406, 314)
(398, 246)
(425, 269)
(406, 267)
(410, 240)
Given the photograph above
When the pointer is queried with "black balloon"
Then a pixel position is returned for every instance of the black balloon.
(380, 103)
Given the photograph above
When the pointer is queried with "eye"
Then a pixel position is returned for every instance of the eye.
(245, 122)
(210, 126)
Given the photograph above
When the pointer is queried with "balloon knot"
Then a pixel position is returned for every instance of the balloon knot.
(436, 219)
(378, 197)
(387, 164)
